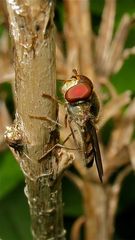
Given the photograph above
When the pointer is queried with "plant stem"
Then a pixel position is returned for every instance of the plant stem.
(32, 30)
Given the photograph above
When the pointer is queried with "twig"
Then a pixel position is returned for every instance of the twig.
(104, 38)
(75, 231)
(114, 106)
(113, 195)
(124, 56)
(122, 134)
(118, 42)
(116, 161)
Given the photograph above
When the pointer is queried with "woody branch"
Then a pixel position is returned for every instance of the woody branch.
(32, 29)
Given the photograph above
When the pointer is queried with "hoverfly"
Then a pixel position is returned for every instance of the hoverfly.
(82, 112)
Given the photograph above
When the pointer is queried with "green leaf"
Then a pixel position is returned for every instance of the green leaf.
(10, 173)
(14, 216)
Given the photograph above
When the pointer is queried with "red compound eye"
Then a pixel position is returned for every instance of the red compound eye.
(78, 92)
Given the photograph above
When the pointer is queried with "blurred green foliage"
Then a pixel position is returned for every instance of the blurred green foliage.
(14, 216)
(10, 173)
(7, 96)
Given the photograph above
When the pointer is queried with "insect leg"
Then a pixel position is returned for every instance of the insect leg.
(72, 132)
(67, 138)
(45, 118)
(51, 149)
(49, 97)
(53, 99)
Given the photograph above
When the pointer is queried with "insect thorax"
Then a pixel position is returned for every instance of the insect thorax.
(81, 111)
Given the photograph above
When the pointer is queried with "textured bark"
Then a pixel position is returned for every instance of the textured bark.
(35, 129)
